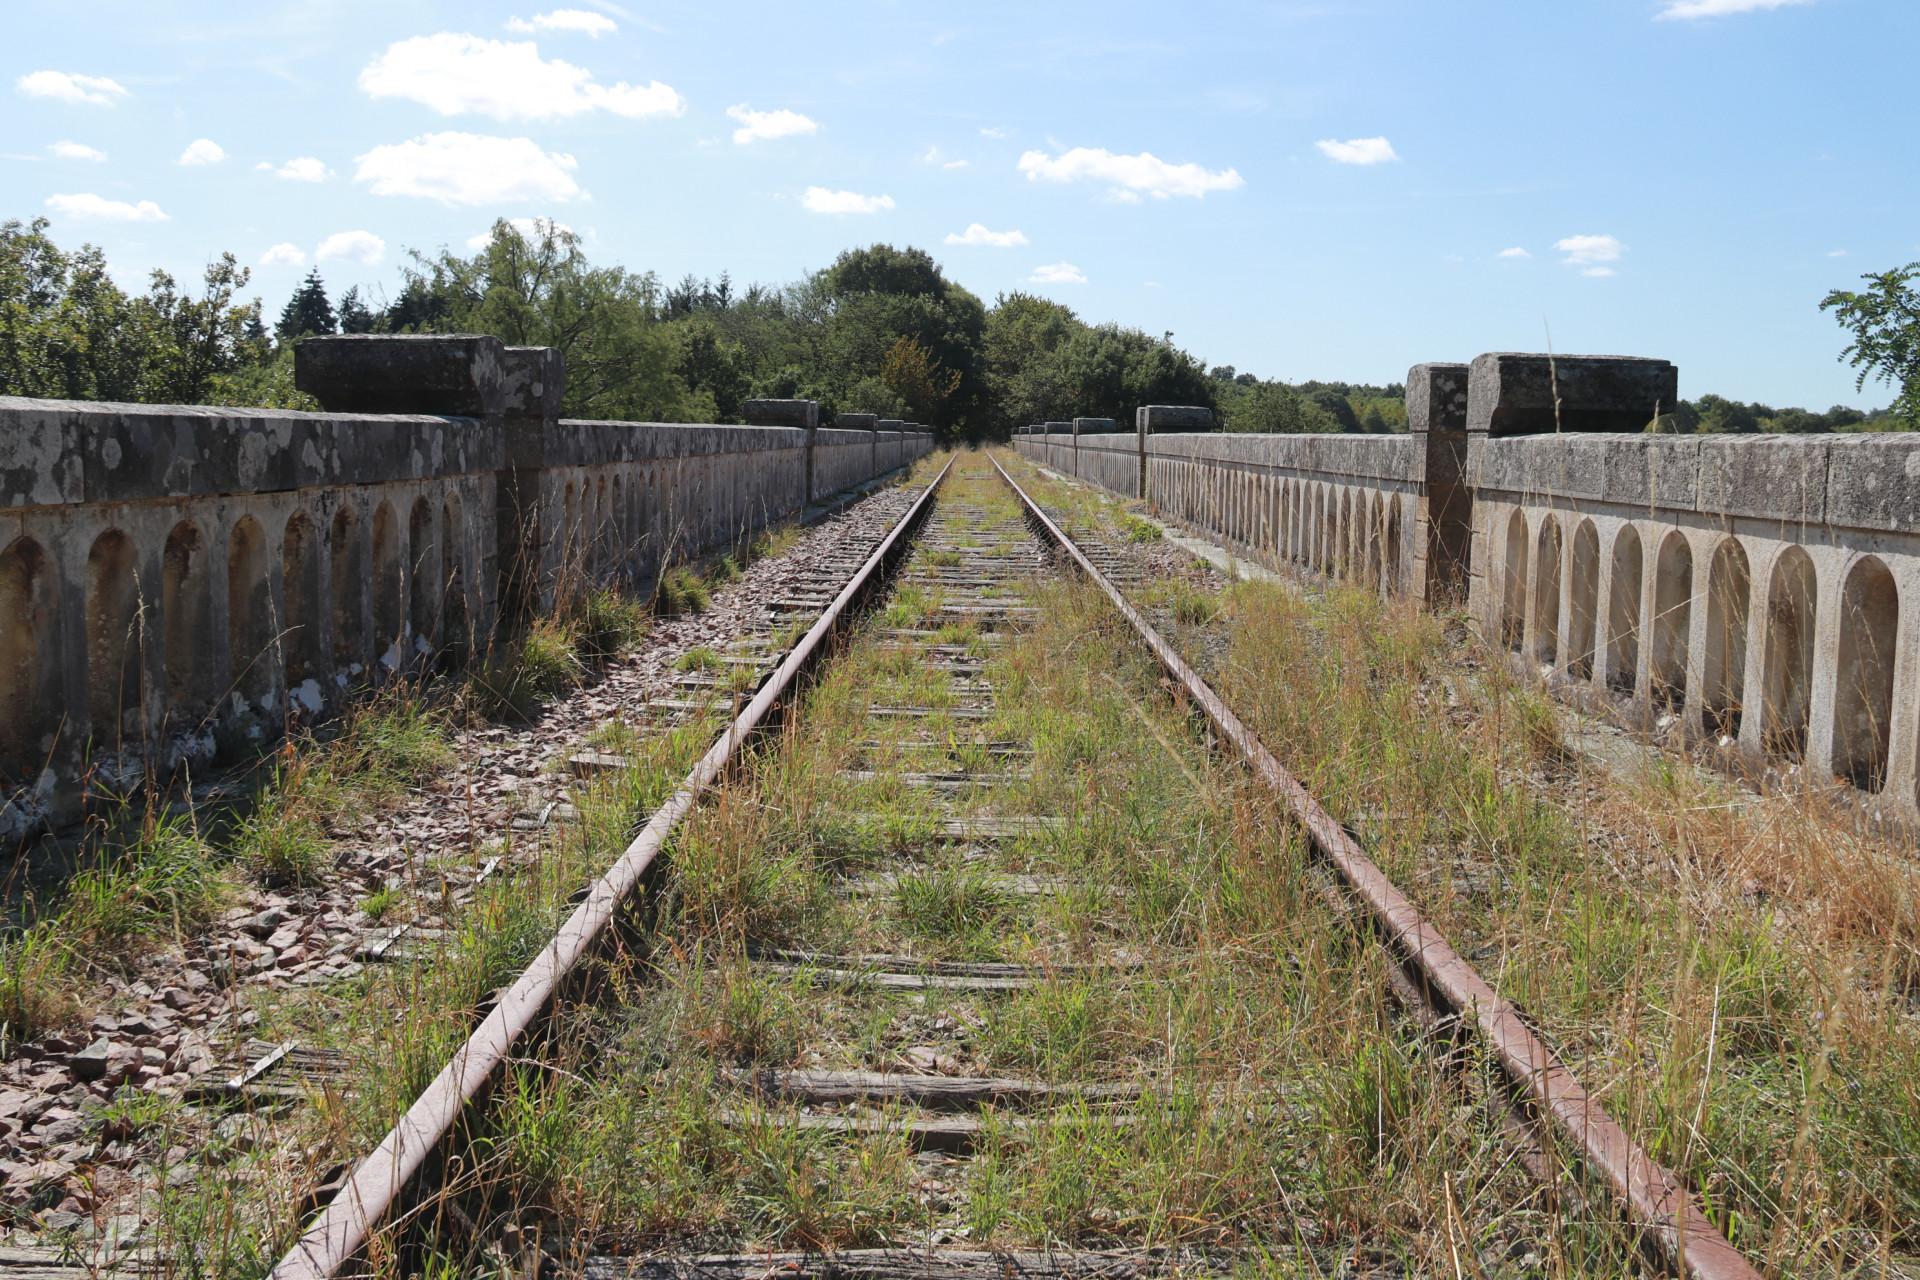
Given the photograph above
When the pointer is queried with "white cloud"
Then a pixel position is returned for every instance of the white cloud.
(363, 247)
(298, 169)
(768, 124)
(1057, 273)
(1358, 150)
(1590, 252)
(529, 228)
(283, 255)
(588, 24)
(1718, 8)
(821, 200)
(1128, 174)
(1837, 253)
(76, 151)
(94, 90)
(994, 133)
(92, 206)
(933, 157)
(507, 80)
(467, 168)
(1515, 252)
(203, 151)
(977, 233)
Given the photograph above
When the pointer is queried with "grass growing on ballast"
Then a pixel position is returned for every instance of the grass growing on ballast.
(1734, 975)
(1258, 1094)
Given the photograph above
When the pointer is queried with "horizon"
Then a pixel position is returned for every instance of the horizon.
(1329, 193)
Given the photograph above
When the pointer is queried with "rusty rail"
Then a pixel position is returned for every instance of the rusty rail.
(1654, 1197)
(359, 1207)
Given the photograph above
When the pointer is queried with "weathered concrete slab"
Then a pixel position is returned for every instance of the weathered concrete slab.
(456, 374)
(1437, 397)
(780, 413)
(1513, 393)
(1172, 417)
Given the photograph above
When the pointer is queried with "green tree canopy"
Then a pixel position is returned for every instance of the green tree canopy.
(308, 312)
(622, 361)
(1885, 324)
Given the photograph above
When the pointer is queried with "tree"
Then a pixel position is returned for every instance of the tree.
(196, 340)
(1019, 367)
(1277, 409)
(66, 330)
(1885, 323)
(540, 290)
(1109, 371)
(307, 313)
(911, 372)
(355, 315)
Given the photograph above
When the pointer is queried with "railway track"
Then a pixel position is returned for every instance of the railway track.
(984, 952)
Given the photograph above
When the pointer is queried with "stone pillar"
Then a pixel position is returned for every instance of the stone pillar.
(531, 390)
(513, 391)
(804, 414)
(1443, 543)
(1150, 418)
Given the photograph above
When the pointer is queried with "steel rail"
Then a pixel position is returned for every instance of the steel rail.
(363, 1203)
(1655, 1198)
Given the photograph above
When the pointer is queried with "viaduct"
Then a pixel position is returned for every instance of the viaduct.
(174, 578)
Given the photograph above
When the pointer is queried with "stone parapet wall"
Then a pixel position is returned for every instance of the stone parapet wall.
(178, 578)
(1761, 593)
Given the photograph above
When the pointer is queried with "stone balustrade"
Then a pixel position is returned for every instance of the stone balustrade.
(1758, 592)
(175, 579)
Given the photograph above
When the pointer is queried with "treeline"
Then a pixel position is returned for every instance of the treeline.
(1712, 415)
(881, 330)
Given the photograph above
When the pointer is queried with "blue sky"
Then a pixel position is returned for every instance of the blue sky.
(1332, 190)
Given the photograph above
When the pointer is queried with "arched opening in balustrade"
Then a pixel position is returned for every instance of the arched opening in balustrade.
(1672, 620)
(1724, 664)
(1793, 594)
(1290, 521)
(1623, 612)
(349, 587)
(29, 699)
(1395, 574)
(601, 536)
(300, 589)
(428, 588)
(1863, 692)
(1343, 536)
(569, 535)
(1376, 534)
(113, 641)
(1546, 594)
(186, 619)
(1583, 601)
(1513, 610)
(455, 627)
(388, 585)
(251, 624)
(617, 540)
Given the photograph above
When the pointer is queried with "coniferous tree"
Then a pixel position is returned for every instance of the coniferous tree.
(307, 312)
(355, 315)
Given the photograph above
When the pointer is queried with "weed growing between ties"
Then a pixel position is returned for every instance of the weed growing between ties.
(1734, 975)
(1221, 1071)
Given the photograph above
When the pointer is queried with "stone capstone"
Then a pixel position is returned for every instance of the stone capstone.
(1437, 397)
(458, 375)
(780, 413)
(1150, 418)
(1094, 426)
(1512, 393)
